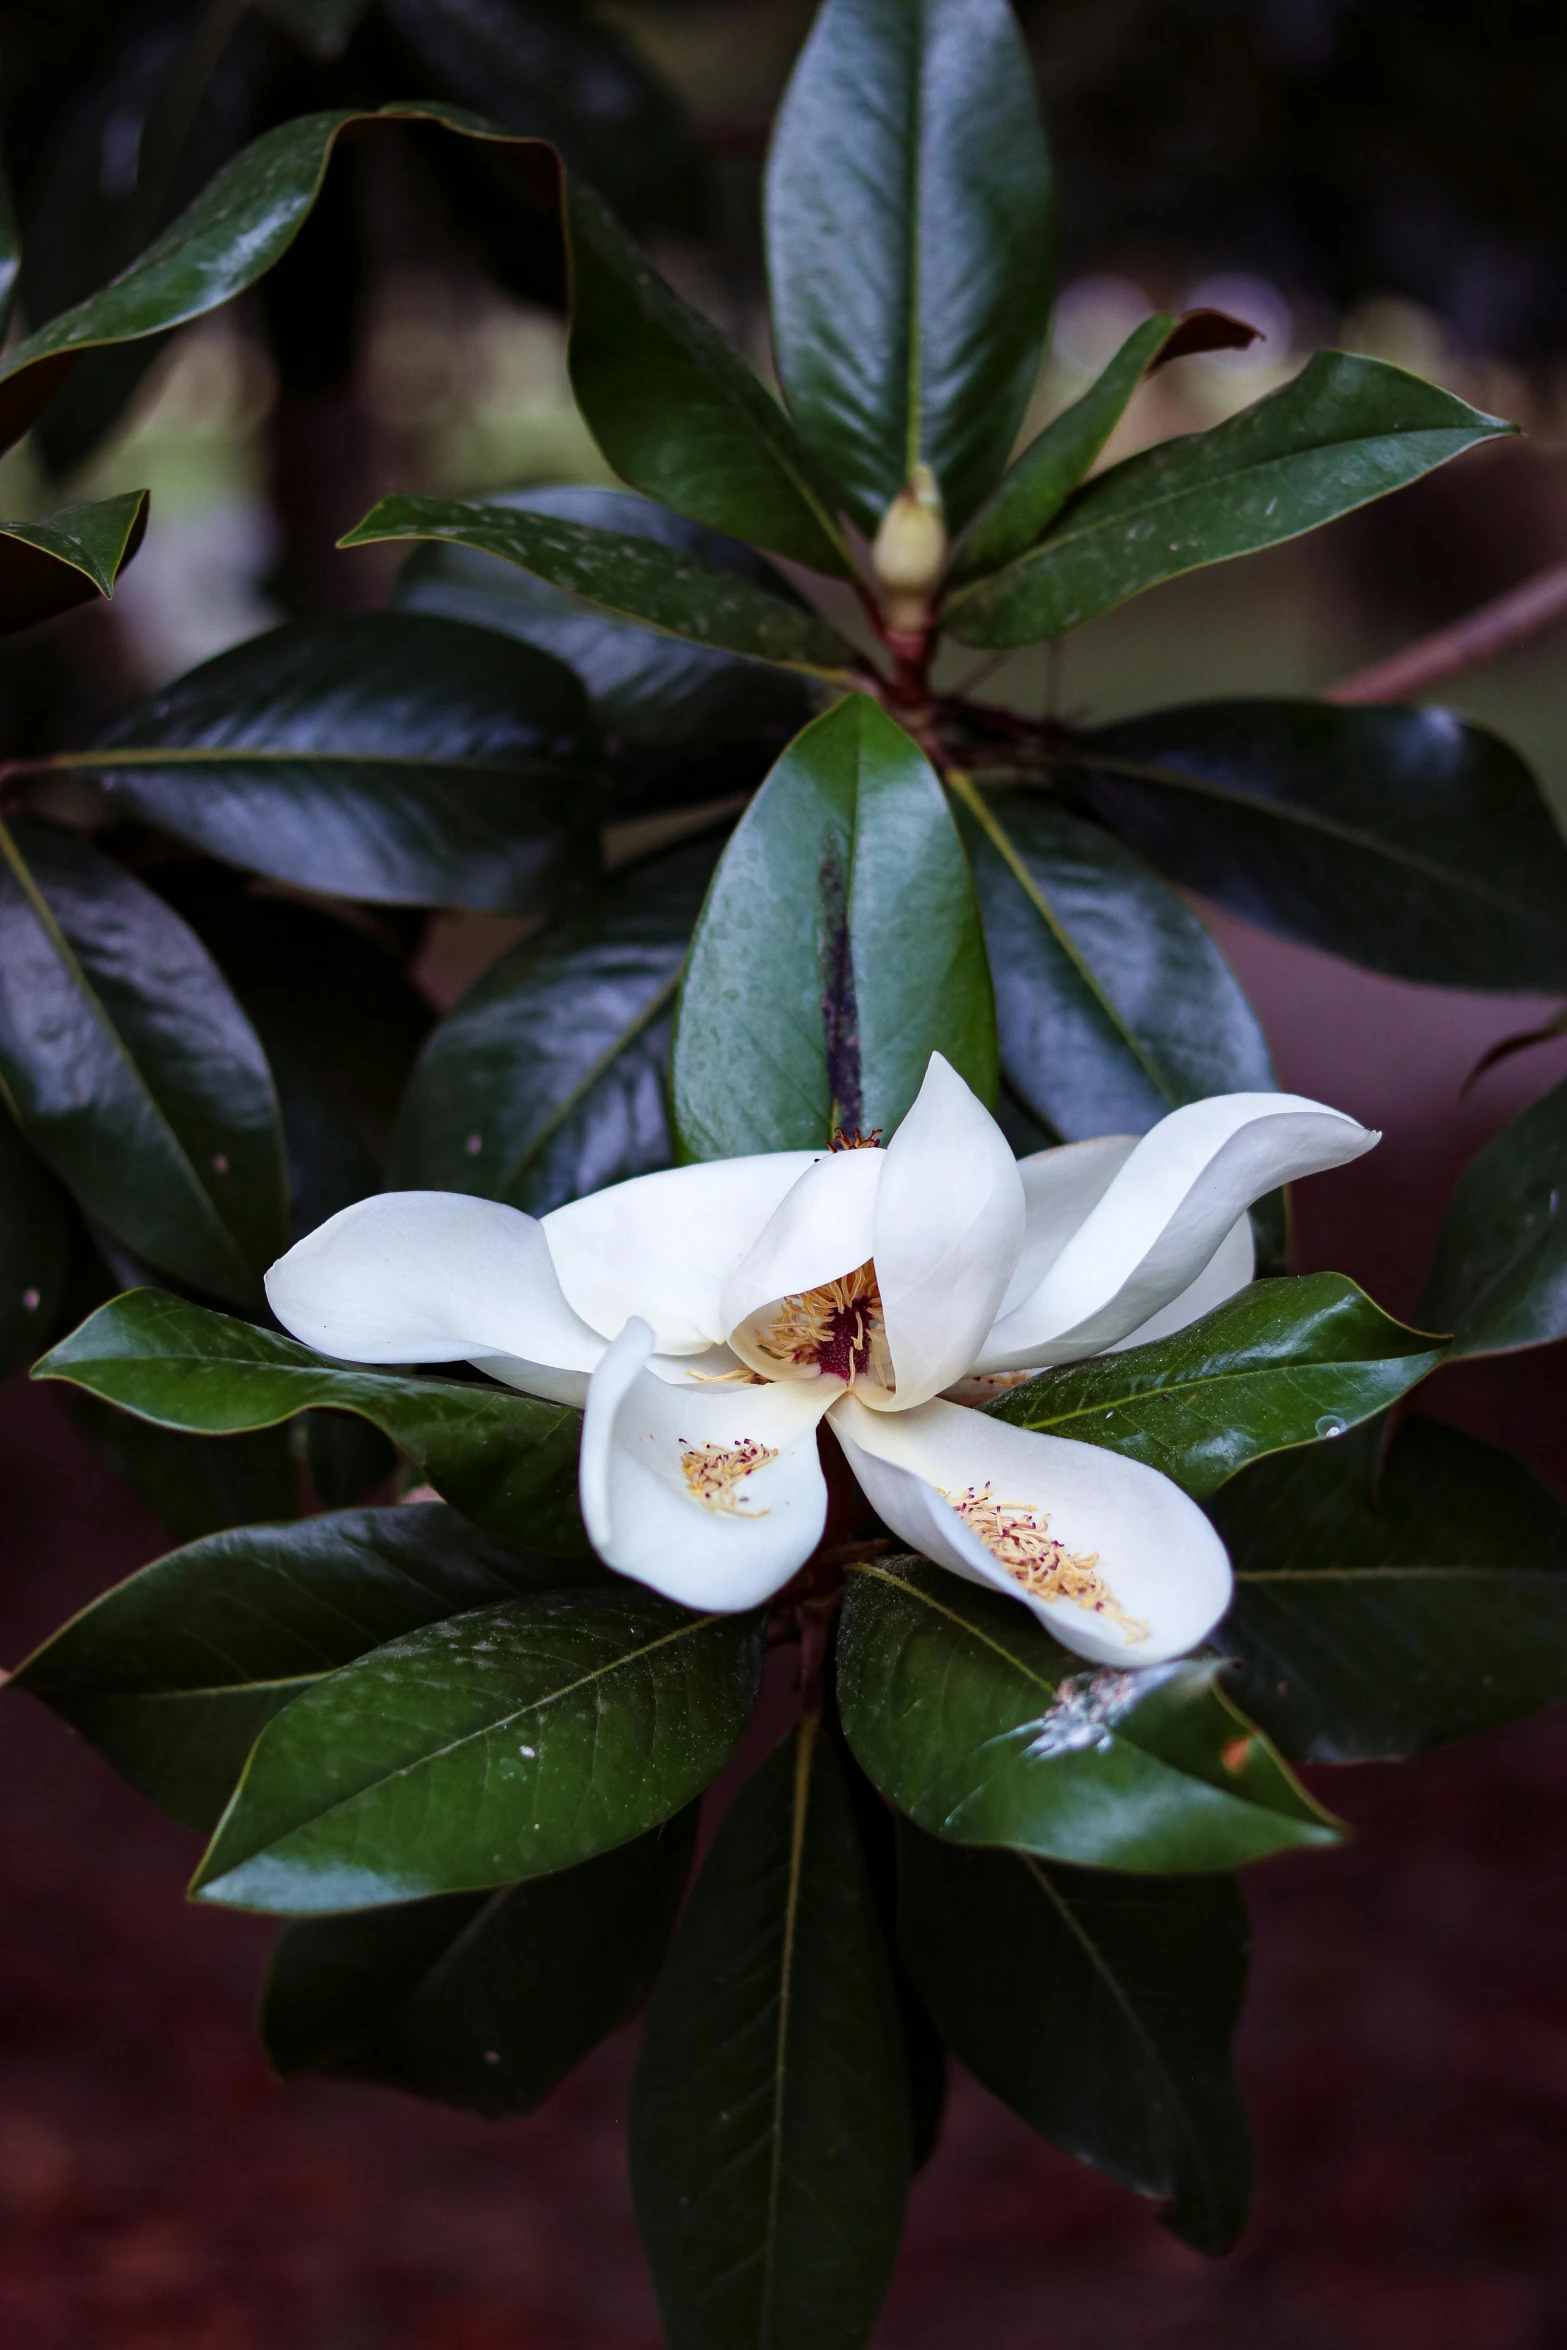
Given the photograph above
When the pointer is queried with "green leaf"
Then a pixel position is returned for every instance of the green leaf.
(634, 578)
(1403, 840)
(1381, 1609)
(1283, 1363)
(1100, 2008)
(1347, 430)
(840, 947)
(174, 1674)
(1037, 487)
(132, 1070)
(498, 1745)
(770, 2112)
(1113, 1002)
(505, 1460)
(644, 687)
(980, 1729)
(67, 558)
(322, 26)
(480, 2000)
(35, 1248)
(910, 245)
(1498, 1280)
(385, 756)
(676, 410)
(243, 221)
(548, 1079)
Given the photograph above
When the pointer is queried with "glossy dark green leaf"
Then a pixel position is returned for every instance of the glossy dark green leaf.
(131, 1068)
(1113, 1002)
(644, 687)
(630, 577)
(321, 25)
(243, 221)
(67, 558)
(346, 1458)
(480, 2000)
(677, 411)
(160, 100)
(910, 245)
(330, 997)
(980, 1729)
(1382, 1606)
(1099, 2007)
(173, 1675)
(840, 947)
(1283, 1363)
(501, 1744)
(555, 70)
(1037, 487)
(1402, 839)
(1498, 1279)
(506, 1461)
(770, 2114)
(195, 1485)
(1346, 430)
(35, 1247)
(548, 1080)
(388, 756)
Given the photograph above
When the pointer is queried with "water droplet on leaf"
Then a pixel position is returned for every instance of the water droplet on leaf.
(1330, 1425)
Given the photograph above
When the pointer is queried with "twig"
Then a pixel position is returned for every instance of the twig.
(1480, 636)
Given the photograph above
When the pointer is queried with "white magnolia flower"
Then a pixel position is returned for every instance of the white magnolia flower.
(709, 1317)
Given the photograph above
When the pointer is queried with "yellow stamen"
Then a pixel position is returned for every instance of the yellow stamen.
(712, 1472)
(1019, 1541)
(837, 1327)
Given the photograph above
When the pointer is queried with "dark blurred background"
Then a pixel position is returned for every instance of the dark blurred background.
(1385, 174)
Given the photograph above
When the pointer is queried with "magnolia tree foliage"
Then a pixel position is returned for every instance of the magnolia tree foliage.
(834, 1233)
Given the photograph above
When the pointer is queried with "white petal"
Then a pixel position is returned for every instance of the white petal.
(1228, 1271)
(949, 1224)
(642, 1443)
(435, 1277)
(1156, 1554)
(1163, 1217)
(662, 1246)
(821, 1230)
(1059, 1188)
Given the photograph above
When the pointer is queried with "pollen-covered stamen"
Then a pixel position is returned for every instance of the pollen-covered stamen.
(713, 1471)
(1019, 1540)
(837, 1328)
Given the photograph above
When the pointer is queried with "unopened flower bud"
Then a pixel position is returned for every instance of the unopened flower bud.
(910, 549)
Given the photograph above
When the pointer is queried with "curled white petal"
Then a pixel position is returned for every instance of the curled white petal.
(436, 1277)
(948, 1227)
(1228, 1271)
(1060, 1187)
(1162, 1218)
(821, 1230)
(661, 1247)
(712, 1495)
(1155, 1554)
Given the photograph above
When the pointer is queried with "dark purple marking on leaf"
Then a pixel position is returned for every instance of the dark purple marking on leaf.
(840, 1013)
